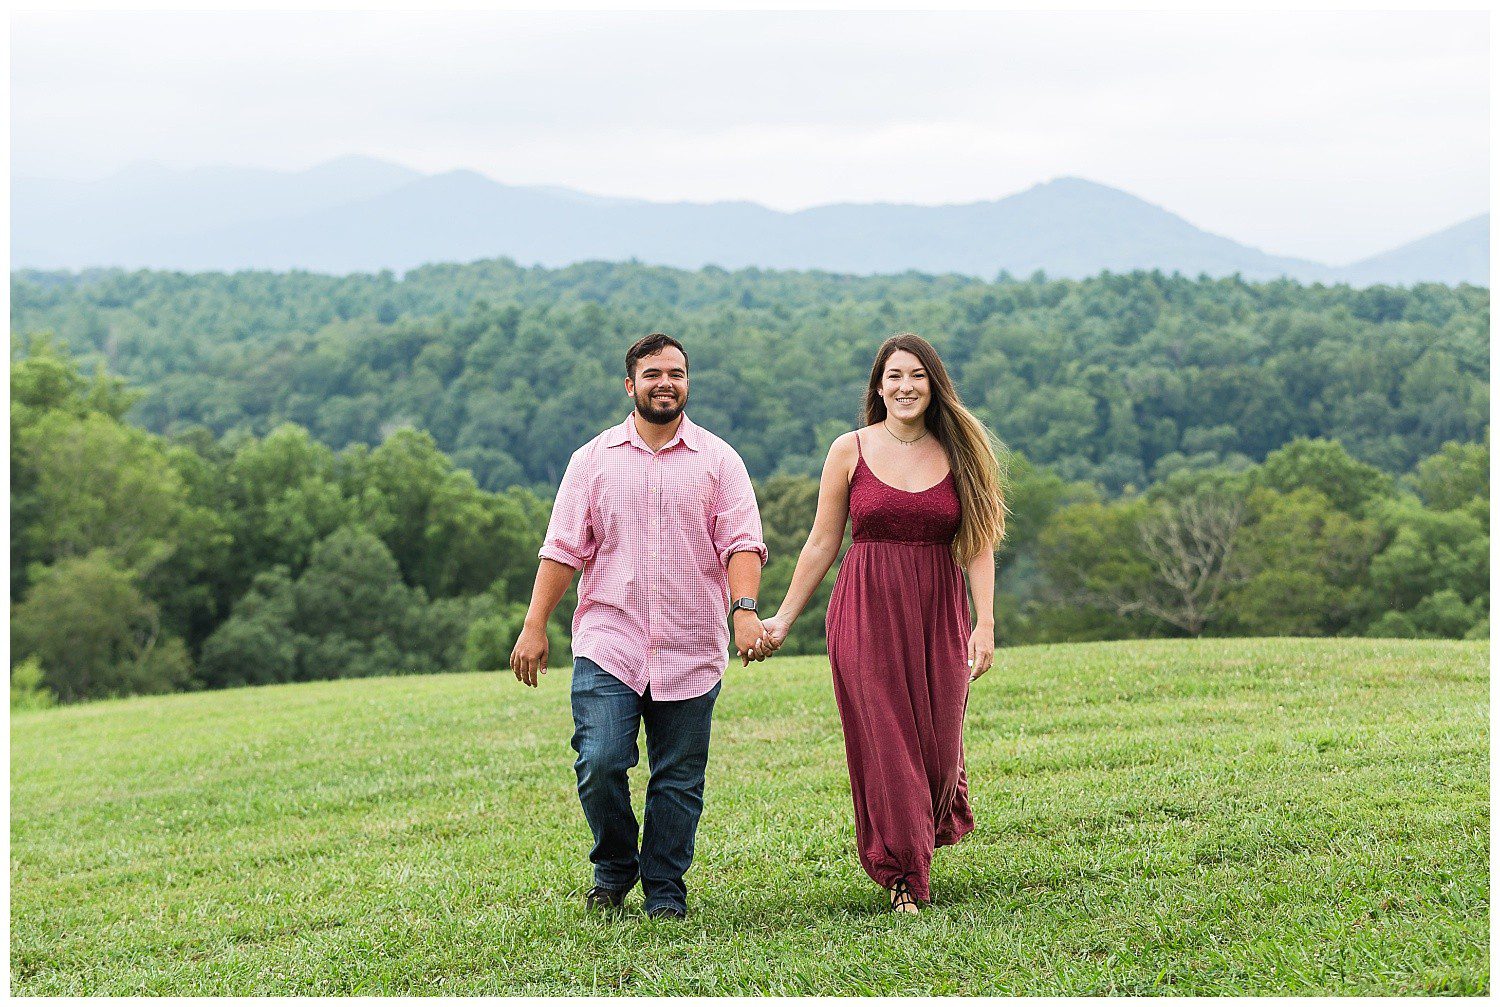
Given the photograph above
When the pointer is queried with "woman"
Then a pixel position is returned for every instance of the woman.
(922, 484)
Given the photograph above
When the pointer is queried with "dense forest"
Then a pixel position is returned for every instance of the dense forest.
(236, 479)
(1116, 380)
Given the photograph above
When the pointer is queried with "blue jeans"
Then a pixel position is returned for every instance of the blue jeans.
(607, 718)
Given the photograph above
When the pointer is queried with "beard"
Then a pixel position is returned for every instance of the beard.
(654, 413)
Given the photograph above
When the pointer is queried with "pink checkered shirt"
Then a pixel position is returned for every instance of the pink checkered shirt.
(653, 534)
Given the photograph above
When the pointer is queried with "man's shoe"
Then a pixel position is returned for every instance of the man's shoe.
(606, 899)
(667, 913)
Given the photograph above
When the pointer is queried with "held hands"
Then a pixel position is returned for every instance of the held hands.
(529, 657)
(777, 627)
(981, 650)
(749, 637)
(767, 641)
(772, 635)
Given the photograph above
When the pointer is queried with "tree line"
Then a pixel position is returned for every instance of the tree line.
(146, 563)
(1119, 380)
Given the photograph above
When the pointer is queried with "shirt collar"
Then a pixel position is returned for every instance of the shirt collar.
(687, 433)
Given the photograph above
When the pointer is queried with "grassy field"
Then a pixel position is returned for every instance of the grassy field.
(1213, 817)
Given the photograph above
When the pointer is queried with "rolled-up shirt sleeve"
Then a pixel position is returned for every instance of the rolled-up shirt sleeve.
(570, 531)
(736, 517)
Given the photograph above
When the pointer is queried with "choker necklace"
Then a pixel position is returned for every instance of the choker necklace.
(902, 439)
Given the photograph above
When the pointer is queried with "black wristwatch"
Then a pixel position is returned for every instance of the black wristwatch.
(748, 604)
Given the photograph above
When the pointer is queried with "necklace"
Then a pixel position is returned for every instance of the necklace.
(903, 440)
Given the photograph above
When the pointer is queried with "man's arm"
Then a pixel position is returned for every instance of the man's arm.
(736, 532)
(529, 657)
(569, 544)
(744, 582)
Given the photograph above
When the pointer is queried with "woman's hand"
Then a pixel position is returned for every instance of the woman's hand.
(775, 630)
(981, 650)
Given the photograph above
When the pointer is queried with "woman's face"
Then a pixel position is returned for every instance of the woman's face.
(904, 386)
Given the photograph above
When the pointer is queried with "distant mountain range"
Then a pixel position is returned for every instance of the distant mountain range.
(359, 215)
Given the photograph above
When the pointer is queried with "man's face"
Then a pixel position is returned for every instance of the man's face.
(660, 388)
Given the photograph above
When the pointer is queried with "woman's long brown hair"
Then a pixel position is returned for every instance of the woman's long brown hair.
(971, 448)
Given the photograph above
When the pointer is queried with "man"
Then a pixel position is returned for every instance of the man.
(659, 515)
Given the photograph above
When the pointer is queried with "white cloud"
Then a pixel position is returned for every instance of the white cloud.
(1330, 136)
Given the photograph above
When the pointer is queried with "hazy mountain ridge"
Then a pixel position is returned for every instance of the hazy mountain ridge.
(360, 215)
(1450, 256)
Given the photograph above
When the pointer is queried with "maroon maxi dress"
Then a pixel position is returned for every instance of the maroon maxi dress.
(898, 630)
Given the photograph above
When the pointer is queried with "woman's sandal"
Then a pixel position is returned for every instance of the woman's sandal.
(902, 899)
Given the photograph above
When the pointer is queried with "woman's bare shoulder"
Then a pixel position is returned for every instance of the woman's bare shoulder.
(845, 444)
(843, 453)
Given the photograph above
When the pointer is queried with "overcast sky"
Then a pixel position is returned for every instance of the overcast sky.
(1329, 136)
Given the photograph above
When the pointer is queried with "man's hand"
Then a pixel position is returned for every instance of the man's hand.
(529, 657)
(748, 635)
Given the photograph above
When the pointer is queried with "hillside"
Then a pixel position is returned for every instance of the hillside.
(1459, 254)
(1262, 816)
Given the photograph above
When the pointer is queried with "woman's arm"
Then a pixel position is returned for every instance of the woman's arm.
(982, 587)
(827, 534)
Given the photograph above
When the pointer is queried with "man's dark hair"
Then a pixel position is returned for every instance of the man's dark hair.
(647, 345)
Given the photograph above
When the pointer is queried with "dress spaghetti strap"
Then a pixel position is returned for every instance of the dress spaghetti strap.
(857, 446)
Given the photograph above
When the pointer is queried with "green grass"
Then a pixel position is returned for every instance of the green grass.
(1212, 817)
